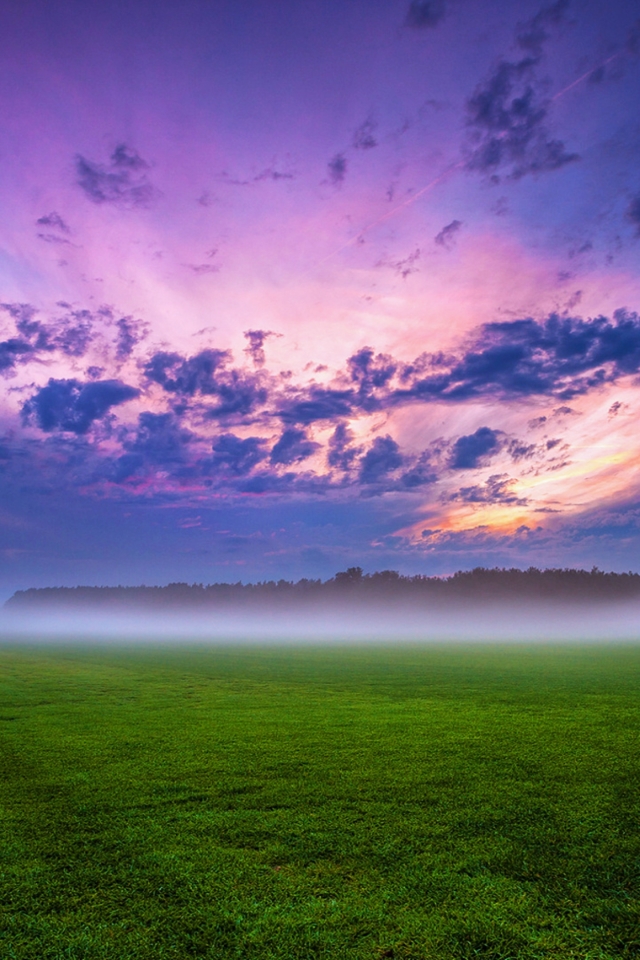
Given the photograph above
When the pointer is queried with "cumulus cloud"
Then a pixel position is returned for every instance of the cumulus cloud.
(382, 457)
(123, 181)
(12, 352)
(238, 392)
(340, 450)
(293, 446)
(237, 456)
(317, 403)
(475, 449)
(73, 406)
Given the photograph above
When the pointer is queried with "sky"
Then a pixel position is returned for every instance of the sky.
(288, 287)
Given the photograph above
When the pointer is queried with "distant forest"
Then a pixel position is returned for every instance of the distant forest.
(352, 586)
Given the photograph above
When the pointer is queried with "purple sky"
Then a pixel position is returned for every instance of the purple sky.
(289, 287)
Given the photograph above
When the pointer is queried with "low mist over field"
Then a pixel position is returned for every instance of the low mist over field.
(505, 605)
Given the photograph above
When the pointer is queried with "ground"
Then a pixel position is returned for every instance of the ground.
(347, 802)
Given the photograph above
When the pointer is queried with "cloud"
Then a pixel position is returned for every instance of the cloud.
(420, 474)
(447, 236)
(633, 214)
(255, 345)
(337, 168)
(187, 375)
(475, 449)
(72, 406)
(54, 221)
(293, 446)
(235, 456)
(370, 371)
(403, 268)
(381, 458)
(202, 268)
(559, 356)
(71, 334)
(363, 138)
(317, 403)
(272, 174)
(533, 33)
(497, 489)
(206, 374)
(506, 116)
(12, 352)
(340, 450)
(506, 122)
(425, 13)
(160, 441)
(123, 181)
(130, 333)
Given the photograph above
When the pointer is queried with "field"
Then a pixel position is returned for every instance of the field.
(298, 803)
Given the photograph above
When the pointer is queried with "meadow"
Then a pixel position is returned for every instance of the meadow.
(346, 802)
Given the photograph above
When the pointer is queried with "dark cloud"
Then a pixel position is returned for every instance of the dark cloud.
(363, 138)
(381, 458)
(123, 181)
(633, 214)
(559, 356)
(497, 489)
(475, 449)
(293, 446)
(72, 406)
(522, 451)
(187, 375)
(12, 352)
(54, 221)
(70, 334)
(238, 457)
(533, 34)
(370, 372)
(160, 440)
(340, 450)
(425, 13)
(337, 168)
(506, 116)
(506, 121)
(206, 374)
(130, 333)
(255, 345)
(318, 403)
(447, 236)
(420, 474)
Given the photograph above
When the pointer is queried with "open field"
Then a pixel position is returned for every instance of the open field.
(297, 803)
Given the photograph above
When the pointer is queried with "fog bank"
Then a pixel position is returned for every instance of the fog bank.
(319, 623)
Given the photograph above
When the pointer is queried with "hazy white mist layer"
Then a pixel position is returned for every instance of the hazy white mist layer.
(614, 622)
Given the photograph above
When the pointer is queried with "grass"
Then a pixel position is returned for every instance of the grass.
(345, 803)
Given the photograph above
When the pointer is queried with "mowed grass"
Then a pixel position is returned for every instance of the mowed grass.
(294, 803)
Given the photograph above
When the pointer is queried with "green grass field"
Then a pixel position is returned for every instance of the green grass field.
(346, 803)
